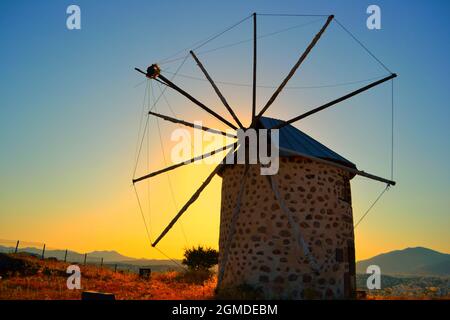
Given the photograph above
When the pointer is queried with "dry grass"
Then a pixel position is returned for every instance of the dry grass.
(49, 282)
(46, 280)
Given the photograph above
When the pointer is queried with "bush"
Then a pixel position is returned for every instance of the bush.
(200, 258)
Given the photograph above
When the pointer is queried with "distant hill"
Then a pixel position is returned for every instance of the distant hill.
(410, 261)
(108, 256)
(93, 257)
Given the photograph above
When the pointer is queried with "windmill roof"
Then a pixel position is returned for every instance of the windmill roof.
(291, 138)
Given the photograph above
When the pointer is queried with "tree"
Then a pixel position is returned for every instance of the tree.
(200, 258)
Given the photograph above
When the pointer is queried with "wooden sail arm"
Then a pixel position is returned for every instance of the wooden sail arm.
(160, 78)
(177, 165)
(216, 89)
(190, 202)
(336, 101)
(192, 125)
(337, 165)
(172, 85)
(294, 69)
(254, 69)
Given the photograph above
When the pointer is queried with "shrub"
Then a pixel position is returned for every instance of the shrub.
(200, 258)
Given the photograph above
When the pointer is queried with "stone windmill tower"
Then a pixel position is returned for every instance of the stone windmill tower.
(290, 234)
(293, 237)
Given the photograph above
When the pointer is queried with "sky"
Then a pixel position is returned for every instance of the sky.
(71, 114)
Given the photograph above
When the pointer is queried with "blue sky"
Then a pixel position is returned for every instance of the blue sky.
(70, 103)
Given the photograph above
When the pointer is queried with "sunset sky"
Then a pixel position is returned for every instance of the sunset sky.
(71, 108)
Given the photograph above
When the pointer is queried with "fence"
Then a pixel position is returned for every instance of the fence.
(43, 251)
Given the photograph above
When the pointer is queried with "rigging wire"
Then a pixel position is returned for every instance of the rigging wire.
(142, 214)
(362, 45)
(148, 232)
(291, 15)
(392, 129)
(248, 40)
(147, 226)
(371, 206)
(168, 176)
(392, 159)
(150, 109)
(259, 37)
(238, 84)
(241, 84)
(137, 160)
(148, 163)
(139, 146)
(203, 42)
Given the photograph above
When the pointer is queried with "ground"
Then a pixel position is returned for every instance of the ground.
(32, 278)
(27, 277)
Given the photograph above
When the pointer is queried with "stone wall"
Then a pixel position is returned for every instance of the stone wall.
(264, 252)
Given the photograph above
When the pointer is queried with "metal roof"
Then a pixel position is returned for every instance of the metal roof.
(295, 140)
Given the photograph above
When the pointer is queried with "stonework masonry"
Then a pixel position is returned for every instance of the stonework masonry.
(264, 252)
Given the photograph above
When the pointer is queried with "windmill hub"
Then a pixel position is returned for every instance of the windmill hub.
(153, 71)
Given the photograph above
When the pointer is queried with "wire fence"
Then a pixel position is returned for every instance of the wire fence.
(43, 251)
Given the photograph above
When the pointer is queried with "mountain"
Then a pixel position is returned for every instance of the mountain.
(92, 257)
(109, 256)
(418, 261)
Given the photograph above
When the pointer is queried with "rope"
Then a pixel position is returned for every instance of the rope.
(392, 129)
(221, 33)
(148, 233)
(363, 46)
(371, 206)
(142, 214)
(147, 228)
(148, 167)
(139, 145)
(249, 40)
(237, 84)
(260, 37)
(291, 15)
(168, 177)
(150, 109)
(202, 42)
(167, 102)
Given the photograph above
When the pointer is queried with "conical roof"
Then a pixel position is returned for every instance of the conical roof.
(295, 140)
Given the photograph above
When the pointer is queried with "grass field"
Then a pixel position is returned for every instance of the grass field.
(44, 279)
(26, 277)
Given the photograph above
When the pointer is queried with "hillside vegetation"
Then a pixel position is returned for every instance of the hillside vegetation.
(28, 277)
(24, 276)
(417, 261)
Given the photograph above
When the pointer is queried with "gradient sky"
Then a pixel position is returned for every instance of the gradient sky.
(71, 105)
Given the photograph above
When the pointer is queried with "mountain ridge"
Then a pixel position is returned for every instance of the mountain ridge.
(409, 261)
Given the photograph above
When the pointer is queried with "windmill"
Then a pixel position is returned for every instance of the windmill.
(290, 234)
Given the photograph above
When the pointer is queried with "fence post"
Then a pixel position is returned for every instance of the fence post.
(101, 263)
(65, 256)
(17, 247)
(115, 267)
(85, 257)
(43, 252)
